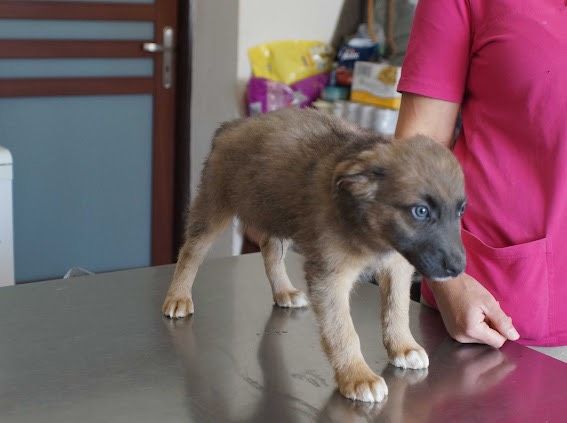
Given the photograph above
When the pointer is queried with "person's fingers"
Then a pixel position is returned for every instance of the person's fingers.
(486, 335)
(499, 321)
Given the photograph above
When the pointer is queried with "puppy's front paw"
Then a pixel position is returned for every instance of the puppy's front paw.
(362, 385)
(291, 299)
(410, 358)
(177, 307)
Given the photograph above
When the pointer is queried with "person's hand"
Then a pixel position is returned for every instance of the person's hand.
(471, 314)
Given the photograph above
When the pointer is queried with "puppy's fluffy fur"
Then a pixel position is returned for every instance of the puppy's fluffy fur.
(349, 200)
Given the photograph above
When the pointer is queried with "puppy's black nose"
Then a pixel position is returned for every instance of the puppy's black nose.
(453, 268)
(451, 271)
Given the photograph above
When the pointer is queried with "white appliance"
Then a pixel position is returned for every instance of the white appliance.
(6, 219)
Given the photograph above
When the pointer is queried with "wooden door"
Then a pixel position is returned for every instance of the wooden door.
(89, 115)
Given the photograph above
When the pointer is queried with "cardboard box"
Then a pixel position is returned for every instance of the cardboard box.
(376, 84)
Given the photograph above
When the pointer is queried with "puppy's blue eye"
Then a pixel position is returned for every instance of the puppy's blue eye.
(461, 210)
(420, 212)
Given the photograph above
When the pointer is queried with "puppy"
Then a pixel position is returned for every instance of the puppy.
(349, 200)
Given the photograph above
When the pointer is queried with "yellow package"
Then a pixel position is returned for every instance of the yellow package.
(290, 61)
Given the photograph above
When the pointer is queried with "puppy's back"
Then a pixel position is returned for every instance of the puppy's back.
(269, 169)
(281, 130)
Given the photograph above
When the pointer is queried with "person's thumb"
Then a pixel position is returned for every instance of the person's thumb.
(500, 322)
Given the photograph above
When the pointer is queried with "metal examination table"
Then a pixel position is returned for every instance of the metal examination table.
(96, 349)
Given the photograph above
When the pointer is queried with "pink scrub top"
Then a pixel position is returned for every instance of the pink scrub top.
(505, 61)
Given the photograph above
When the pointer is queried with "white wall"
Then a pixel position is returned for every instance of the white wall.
(223, 30)
(215, 31)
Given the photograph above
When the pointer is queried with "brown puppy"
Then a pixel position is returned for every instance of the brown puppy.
(348, 199)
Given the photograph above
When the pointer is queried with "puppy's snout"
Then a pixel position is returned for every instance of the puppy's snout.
(454, 265)
(451, 270)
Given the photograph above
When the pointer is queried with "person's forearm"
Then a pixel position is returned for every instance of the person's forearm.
(443, 285)
(427, 116)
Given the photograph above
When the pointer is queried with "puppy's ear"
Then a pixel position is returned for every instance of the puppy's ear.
(359, 178)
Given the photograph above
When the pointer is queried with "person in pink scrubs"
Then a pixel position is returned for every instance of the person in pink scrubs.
(503, 65)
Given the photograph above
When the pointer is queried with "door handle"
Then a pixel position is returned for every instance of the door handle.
(166, 49)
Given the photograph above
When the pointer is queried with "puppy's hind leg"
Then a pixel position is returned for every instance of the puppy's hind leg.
(395, 281)
(204, 226)
(284, 293)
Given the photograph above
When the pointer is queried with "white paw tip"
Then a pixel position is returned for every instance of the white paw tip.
(380, 394)
(414, 359)
(301, 300)
(368, 392)
(291, 299)
(384, 388)
(367, 396)
(177, 308)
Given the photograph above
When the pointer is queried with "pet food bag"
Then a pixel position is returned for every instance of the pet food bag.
(265, 96)
(290, 61)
